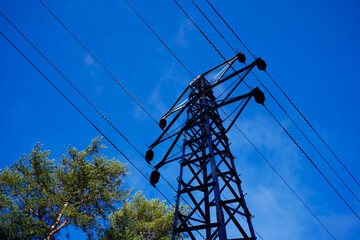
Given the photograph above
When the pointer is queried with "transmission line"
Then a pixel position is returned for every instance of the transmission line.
(286, 96)
(311, 161)
(146, 177)
(159, 38)
(216, 49)
(256, 148)
(282, 179)
(82, 114)
(82, 95)
(149, 28)
(96, 109)
(141, 154)
(98, 61)
(235, 124)
(76, 89)
(281, 107)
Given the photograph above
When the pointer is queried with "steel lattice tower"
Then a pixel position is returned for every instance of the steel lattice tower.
(208, 178)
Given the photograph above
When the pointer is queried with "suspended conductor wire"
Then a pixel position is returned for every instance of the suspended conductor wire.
(213, 25)
(146, 177)
(86, 99)
(279, 122)
(247, 138)
(311, 161)
(217, 50)
(119, 82)
(286, 96)
(98, 61)
(254, 145)
(230, 28)
(77, 90)
(282, 179)
(205, 36)
(296, 125)
(159, 38)
(95, 58)
(103, 134)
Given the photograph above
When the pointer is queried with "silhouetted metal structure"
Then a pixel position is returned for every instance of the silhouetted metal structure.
(208, 178)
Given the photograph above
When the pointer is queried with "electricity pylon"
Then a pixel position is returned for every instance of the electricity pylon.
(208, 179)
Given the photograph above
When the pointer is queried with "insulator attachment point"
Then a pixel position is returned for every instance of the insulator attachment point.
(154, 178)
(149, 155)
(241, 57)
(259, 97)
(261, 64)
(162, 123)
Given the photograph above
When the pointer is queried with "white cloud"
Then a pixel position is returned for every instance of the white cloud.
(181, 36)
(89, 60)
(279, 214)
(166, 86)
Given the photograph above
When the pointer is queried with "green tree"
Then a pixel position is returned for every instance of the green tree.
(39, 196)
(139, 218)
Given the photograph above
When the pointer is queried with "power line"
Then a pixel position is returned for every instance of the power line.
(311, 161)
(103, 134)
(115, 80)
(291, 119)
(142, 20)
(273, 80)
(205, 36)
(235, 124)
(216, 49)
(98, 61)
(159, 38)
(82, 95)
(213, 26)
(230, 28)
(282, 179)
(77, 90)
(296, 125)
(268, 162)
(97, 110)
(89, 120)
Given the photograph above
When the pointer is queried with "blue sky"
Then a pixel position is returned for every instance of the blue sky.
(311, 49)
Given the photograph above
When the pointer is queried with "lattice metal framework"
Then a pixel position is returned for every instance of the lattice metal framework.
(208, 178)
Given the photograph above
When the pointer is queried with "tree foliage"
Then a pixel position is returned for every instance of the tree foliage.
(39, 196)
(139, 218)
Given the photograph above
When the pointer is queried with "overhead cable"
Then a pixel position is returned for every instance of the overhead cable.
(286, 183)
(216, 49)
(168, 49)
(77, 109)
(312, 163)
(282, 179)
(281, 107)
(277, 172)
(81, 94)
(286, 96)
(76, 89)
(117, 82)
(147, 178)
(98, 61)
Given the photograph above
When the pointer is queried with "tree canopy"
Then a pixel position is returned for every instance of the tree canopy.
(40, 196)
(139, 218)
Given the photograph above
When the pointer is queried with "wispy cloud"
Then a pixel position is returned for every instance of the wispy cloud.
(169, 84)
(269, 199)
(89, 61)
(181, 36)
